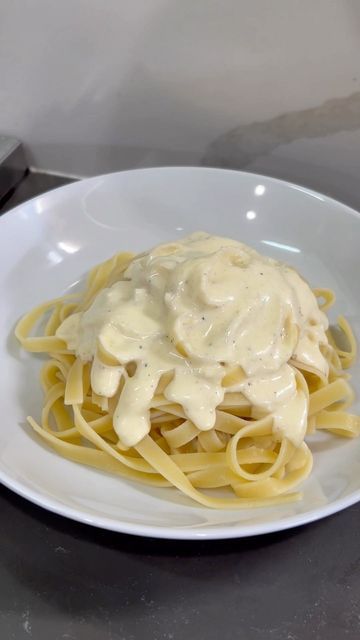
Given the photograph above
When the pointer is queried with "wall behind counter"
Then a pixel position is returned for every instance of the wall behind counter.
(93, 86)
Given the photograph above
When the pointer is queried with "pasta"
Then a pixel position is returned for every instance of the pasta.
(242, 455)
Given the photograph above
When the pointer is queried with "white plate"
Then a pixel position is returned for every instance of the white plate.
(47, 245)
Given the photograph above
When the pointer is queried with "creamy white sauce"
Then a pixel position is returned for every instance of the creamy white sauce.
(198, 308)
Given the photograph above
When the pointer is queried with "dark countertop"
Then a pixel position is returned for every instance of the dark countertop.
(61, 580)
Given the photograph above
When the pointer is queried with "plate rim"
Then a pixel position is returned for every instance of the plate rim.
(319, 195)
(224, 532)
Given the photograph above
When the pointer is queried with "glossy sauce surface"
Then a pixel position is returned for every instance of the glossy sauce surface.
(218, 316)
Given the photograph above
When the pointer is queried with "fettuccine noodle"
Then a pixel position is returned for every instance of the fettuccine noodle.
(251, 461)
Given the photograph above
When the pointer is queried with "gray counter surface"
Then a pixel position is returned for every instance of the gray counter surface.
(60, 580)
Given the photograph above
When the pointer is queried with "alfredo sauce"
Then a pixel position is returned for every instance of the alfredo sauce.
(216, 315)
